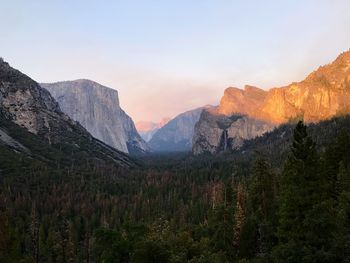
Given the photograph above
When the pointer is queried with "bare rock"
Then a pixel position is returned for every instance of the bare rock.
(97, 109)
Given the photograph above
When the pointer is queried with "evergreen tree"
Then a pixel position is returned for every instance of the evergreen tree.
(258, 235)
(240, 214)
(342, 235)
(222, 223)
(111, 247)
(336, 153)
(305, 221)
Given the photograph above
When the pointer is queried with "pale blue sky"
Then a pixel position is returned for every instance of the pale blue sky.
(165, 57)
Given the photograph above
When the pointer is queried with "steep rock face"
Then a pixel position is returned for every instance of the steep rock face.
(177, 134)
(323, 94)
(147, 128)
(241, 101)
(25, 103)
(28, 105)
(96, 108)
(216, 132)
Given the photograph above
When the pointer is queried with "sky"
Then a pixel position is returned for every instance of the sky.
(166, 57)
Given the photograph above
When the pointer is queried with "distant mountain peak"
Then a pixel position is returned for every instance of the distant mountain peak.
(148, 128)
(177, 134)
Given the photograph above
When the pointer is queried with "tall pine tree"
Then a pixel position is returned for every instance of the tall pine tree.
(259, 232)
(305, 221)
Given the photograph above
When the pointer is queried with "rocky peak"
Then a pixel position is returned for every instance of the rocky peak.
(241, 101)
(148, 128)
(97, 108)
(323, 94)
(335, 74)
(27, 104)
(177, 134)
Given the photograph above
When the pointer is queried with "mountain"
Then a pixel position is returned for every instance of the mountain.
(245, 114)
(217, 132)
(32, 123)
(147, 128)
(97, 109)
(177, 134)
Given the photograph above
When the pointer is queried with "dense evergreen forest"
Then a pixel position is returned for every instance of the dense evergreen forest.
(283, 197)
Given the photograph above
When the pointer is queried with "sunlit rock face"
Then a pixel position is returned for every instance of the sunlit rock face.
(241, 101)
(323, 94)
(96, 108)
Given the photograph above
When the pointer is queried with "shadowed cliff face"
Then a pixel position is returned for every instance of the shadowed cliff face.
(323, 94)
(177, 134)
(97, 109)
(215, 132)
(24, 102)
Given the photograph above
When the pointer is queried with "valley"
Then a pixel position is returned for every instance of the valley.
(262, 177)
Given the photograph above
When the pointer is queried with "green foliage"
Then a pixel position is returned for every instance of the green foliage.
(305, 219)
(111, 247)
(235, 207)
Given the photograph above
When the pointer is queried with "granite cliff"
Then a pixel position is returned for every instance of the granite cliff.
(26, 105)
(97, 108)
(248, 113)
(177, 134)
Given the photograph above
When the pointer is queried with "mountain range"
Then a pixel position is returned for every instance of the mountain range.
(84, 106)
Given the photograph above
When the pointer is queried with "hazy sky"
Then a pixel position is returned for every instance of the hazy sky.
(166, 57)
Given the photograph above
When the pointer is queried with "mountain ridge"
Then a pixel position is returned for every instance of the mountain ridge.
(323, 94)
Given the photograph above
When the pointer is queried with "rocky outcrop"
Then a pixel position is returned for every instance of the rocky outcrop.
(177, 134)
(148, 128)
(216, 132)
(25, 103)
(245, 101)
(28, 105)
(97, 108)
(323, 94)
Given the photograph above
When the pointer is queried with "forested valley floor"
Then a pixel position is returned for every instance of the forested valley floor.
(284, 197)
